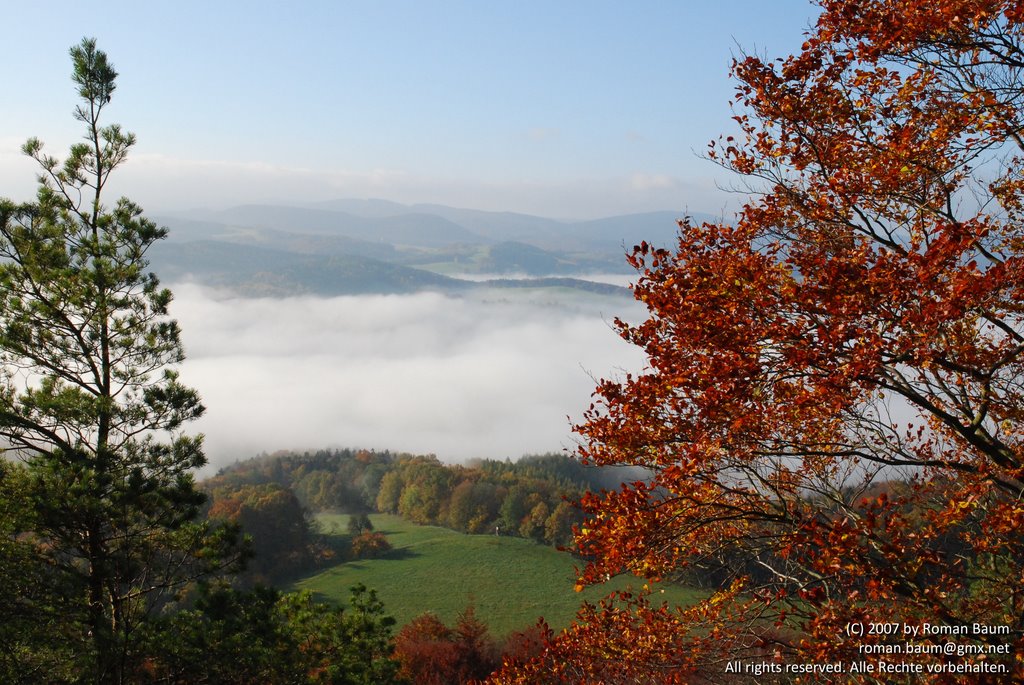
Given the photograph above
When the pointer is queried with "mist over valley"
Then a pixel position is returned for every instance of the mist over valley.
(406, 331)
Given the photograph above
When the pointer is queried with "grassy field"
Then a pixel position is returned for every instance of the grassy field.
(511, 582)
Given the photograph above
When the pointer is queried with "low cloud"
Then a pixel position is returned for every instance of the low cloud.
(495, 376)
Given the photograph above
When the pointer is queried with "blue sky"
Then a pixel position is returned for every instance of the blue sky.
(569, 109)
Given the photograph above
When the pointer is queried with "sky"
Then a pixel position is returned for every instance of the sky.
(564, 109)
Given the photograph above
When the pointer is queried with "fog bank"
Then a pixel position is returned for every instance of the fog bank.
(496, 375)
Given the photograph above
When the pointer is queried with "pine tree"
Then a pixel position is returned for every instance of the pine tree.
(89, 398)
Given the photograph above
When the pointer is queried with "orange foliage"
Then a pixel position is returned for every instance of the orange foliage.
(431, 653)
(859, 325)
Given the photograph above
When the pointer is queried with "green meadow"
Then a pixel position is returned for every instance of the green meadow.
(511, 582)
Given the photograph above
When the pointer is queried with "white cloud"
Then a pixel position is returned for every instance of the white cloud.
(17, 172)
(540, 134)
(459, 377)
(653, 182)
(9, 145)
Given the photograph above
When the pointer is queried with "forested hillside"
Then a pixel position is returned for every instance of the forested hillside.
(273, 497)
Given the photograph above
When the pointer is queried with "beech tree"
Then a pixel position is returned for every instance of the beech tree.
(432, 653)
(89, 398)
(832, 410)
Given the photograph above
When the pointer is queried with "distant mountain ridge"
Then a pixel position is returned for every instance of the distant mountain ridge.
(255, 271)
(378, 246)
